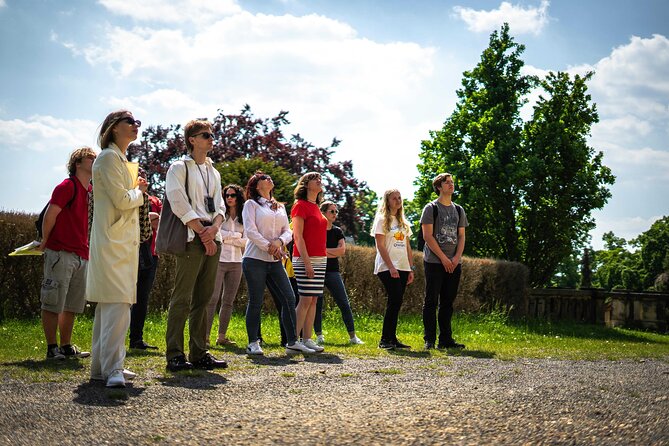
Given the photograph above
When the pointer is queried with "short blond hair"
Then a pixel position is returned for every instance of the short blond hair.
(76, 156)
(194, 127)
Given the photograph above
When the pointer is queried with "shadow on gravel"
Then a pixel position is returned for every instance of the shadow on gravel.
(272, 360)
(324, 358)
(44, 365)
(471, 353)
(194, 379)
(94, 393)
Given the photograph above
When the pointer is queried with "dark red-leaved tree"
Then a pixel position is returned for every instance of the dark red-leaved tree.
(245, 136)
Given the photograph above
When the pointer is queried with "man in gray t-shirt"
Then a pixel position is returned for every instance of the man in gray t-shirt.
(444, 245)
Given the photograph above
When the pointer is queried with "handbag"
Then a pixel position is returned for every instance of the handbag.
(172, 233)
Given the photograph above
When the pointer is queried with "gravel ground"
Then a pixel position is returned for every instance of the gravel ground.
(329, 399)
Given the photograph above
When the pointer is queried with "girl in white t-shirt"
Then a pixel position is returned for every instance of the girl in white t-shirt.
(394, 262)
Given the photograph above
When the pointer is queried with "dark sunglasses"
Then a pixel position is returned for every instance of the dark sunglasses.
(265, 177)
(131, 121)
(205, 135)
(230, 195)
(333, 211)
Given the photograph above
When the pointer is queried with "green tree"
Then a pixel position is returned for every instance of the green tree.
(367, 204)
(564, 178)
(528, 188)
(240, 170)
(479, 144)
(654, 245)
(615, 267)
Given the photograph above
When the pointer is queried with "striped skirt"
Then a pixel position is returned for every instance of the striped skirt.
(310, 287)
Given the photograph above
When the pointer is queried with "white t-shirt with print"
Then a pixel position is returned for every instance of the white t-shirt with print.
(396, 244)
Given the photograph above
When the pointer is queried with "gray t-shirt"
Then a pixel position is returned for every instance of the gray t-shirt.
(445, 229)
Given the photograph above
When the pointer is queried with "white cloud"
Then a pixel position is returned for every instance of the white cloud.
(173, 11)
(2, 3)
(46, 133)
(530, 20)
(625, 227)
(162, 106)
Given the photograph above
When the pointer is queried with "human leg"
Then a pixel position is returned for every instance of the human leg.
(335, 285)
(96, 365)
(233, 276)
(277, 280)
(215, 297)
(202, 291)
(145, 279)
(187, 268)
(114, 322)
(434, 277)
(275, 292)
(255, 274)
(395, 291)
(318, 317)
(449, 291)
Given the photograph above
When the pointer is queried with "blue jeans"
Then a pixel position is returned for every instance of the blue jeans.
(335, 285)
(258, 274)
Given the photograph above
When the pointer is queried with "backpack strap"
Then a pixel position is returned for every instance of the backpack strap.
(74, 195)
(435, 214)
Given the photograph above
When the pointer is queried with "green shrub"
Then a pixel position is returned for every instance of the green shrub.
(485, 283)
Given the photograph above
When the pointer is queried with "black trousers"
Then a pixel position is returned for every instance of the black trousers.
(441, 287)
(395, 292)
(145, 278)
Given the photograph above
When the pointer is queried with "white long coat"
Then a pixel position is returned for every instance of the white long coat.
(114, 247)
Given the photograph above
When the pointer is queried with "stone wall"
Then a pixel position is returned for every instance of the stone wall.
(648, 310)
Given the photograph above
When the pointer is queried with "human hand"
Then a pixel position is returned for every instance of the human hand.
(208, 233)
(309, 270)
(210, 248)
(411, 277)
(394, 273)
(447, 264)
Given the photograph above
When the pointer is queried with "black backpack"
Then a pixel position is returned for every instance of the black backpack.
(40, 219)
(420, 241)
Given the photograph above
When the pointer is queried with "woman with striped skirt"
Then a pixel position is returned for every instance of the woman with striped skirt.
(309, 252)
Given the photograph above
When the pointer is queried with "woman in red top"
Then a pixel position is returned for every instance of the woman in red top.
(309, 252)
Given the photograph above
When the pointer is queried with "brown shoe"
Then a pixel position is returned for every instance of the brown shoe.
(225, 341)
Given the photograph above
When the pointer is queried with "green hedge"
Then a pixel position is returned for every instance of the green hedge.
(485, 283)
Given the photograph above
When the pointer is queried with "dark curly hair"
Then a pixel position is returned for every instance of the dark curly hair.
(239, 192)
(252, 189)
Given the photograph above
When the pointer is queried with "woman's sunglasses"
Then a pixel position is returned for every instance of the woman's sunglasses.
(230, 195)
(131, 121)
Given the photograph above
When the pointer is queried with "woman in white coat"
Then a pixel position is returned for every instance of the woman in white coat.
(112, 269)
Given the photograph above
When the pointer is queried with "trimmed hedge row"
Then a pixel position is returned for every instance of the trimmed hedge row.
(485, 283)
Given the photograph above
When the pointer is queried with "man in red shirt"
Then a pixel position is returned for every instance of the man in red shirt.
(65, 246)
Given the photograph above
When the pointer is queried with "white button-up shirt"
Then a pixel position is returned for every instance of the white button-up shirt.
(194, 208)
(234, 241)
(262, 225)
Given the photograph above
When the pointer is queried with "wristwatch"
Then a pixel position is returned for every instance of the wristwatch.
(413, 267)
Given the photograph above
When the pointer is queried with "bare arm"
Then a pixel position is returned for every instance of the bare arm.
(339, 251)
(48, 223)
(383, 252)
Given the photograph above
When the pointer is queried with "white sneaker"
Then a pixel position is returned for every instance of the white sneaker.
(312, 345)
(356, 341)
(116, 379)
(298, 347)
(254, 349)
(320, 339)
(127, 375)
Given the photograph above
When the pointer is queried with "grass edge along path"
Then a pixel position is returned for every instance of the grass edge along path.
(486, 335)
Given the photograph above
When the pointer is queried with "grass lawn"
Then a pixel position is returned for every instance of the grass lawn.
(22, 346)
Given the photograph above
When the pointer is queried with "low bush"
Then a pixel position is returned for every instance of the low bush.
(485, 283)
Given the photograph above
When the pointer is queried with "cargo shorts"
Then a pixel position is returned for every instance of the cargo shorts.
(64, 284)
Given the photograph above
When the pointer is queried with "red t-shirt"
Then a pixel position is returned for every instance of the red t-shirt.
(155, 205)
(315, 230)
(70, 232)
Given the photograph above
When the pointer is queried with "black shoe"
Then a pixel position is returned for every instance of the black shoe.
(398, 344)
(141, 345)
(429, 346)
(208, 362)
(451, 344)
(72, 351)
(178, 364)
(386, 345)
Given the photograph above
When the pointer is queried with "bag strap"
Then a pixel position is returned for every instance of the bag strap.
(74, 195)
(435, 214)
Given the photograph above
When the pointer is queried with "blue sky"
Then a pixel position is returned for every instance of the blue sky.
(377, 74)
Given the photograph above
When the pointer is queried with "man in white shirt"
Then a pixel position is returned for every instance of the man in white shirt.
(201, 208)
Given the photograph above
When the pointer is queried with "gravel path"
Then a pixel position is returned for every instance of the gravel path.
(346, 400)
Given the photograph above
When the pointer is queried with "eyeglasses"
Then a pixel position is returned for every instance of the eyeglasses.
(205, 135)
(333, 211)
(131, 121)
(265, 177)
(230, 195)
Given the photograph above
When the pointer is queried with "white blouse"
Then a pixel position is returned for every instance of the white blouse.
(234, 241)
(262, 225)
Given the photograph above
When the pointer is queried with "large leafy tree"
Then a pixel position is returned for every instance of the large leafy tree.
(528, 188)
(654, 245)
(244, 136)
(240, 170)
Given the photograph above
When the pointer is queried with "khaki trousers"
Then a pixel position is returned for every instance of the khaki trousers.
(193, 286)
(108, 345)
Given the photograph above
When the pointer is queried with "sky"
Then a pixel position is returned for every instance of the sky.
(379, 75)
